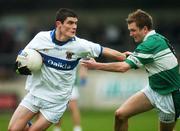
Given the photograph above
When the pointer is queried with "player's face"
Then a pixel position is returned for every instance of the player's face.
(67, 28)
(136, 33)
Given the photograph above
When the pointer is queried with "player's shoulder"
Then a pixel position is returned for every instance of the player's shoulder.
(78, 39)
(41, 41)
(84, 42)
(156, 38)
(153, 43)
(43, 34)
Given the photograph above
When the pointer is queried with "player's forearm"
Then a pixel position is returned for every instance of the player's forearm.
(113, 67)
(119, 56)
(113, 54)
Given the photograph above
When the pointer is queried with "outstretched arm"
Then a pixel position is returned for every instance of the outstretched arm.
(114, 66)
(113, 54)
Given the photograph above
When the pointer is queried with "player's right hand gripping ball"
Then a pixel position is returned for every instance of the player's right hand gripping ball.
(28, 60)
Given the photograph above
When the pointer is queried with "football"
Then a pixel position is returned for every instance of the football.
(30, 58)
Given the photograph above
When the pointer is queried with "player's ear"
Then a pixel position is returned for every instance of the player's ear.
(145, 28)
(58, 23)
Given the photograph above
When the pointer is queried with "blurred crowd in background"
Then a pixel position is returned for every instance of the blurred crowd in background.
(106, 26)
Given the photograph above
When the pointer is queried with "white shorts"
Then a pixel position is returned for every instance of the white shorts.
(163, 103)
(51, 111)
(75, 93)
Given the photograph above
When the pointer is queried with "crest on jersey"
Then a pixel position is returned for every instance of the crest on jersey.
(69, 54)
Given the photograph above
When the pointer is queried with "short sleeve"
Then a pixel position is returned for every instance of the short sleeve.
(89, 49)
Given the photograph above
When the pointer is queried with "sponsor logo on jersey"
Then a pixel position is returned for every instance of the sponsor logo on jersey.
(58, 63)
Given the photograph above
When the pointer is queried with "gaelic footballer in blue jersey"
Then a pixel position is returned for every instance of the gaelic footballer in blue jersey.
(50, 89)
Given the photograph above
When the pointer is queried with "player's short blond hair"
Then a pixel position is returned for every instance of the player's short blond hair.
(141, 18)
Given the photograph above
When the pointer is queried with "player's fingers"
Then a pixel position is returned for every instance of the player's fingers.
(90, 60)
(87, 64)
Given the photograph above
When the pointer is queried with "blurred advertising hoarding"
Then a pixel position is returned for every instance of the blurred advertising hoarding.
(107, 90)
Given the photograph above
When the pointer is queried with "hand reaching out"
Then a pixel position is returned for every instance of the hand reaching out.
(127, 53)
(90, 63)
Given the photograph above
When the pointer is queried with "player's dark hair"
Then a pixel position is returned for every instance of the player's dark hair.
(63, 13)
(141, 18)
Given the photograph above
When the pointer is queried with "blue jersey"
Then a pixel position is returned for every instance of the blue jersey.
(55, 80)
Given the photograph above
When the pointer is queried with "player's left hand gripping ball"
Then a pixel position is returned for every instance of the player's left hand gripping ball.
(28, 60)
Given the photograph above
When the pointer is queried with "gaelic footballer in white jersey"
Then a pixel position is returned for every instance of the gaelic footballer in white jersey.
(54, 82)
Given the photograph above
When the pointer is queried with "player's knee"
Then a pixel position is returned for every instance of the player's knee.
(119, 115)
(12, 128)
(16, 127)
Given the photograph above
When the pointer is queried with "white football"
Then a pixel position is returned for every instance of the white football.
(30, 58)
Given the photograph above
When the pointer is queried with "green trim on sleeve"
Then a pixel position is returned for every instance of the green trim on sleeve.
(145, 60)
(131, 64)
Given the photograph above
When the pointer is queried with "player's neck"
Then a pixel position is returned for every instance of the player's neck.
(61, 37)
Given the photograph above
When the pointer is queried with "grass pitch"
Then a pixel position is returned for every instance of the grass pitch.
(100, 121)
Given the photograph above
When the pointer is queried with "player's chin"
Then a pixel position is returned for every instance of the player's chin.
(136, 40)
(71, 35)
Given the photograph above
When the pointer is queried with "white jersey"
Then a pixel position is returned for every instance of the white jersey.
(55, 80)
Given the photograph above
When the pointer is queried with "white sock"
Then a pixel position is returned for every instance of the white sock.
(77, 128)
(57, 129)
